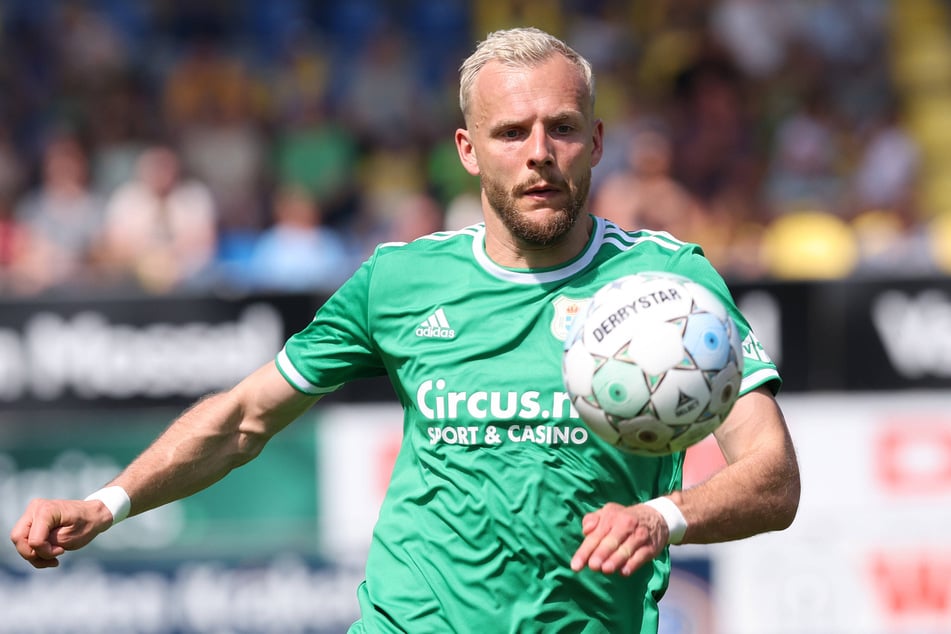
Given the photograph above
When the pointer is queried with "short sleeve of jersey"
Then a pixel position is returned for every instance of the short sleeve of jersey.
(758, 369)
(336, 346)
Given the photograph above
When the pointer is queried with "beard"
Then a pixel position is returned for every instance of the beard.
(539, 233)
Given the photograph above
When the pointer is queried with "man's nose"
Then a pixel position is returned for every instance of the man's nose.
(540, 149)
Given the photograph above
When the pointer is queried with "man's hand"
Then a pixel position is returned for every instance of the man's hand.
(48, 528)
(620, 538)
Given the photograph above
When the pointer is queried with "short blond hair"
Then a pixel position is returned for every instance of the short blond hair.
(524, 46)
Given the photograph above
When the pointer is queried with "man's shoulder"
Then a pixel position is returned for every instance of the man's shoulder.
(450, 243)
(643, 243)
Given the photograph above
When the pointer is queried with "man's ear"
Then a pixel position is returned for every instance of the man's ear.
(466, 151)
(597, 138)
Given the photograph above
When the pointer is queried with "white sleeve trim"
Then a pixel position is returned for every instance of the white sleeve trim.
(297, 379)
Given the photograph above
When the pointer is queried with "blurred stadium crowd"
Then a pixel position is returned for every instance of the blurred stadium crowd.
(170, 145)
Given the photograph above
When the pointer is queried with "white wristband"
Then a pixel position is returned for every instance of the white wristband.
(676, 522)
(116, 500)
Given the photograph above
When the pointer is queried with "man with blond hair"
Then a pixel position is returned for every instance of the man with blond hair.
(503, 514)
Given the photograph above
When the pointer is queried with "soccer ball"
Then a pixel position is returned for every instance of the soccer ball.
(653, 363)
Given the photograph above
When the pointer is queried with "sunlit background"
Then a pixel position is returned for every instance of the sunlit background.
(182, 183)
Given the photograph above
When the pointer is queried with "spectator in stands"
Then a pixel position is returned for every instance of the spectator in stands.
(645, 195)
(12, 172)
(11, 233)
(120, 126)
(160, 230)
(315, 92)
(297, 252)
(61, 218)
(418, 215)
(379, 99)
(314, 152)
(803, 171)
(711, 127)
(884, 208)
(215, 106)
(11, 247)
(888, 168)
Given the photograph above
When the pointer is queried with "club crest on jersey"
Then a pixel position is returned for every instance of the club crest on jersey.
(567, 311)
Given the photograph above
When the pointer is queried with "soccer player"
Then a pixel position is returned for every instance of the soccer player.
(504, 513)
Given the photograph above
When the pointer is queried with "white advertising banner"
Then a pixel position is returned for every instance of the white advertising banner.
(870, 550)
(356, 450)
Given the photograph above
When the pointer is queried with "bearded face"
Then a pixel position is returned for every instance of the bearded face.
(533, 141)
(535, 227)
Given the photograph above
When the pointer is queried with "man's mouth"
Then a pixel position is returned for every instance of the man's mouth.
(541, 190)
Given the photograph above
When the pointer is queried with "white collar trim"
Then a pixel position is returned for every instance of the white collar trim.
(529, 276)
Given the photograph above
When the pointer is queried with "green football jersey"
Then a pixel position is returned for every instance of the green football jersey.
(496, 470)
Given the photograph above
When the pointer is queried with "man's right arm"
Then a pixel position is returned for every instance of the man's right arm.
(217, 434)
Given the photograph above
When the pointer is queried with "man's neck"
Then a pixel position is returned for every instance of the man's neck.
(507, 250)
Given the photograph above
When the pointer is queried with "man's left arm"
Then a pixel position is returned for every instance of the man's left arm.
(758, 491)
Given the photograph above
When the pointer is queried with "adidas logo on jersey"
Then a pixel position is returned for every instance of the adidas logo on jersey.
(436, 327)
